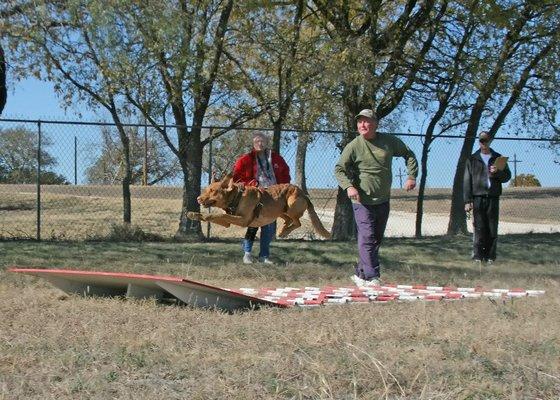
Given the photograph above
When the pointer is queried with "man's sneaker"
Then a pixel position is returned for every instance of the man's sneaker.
(357, 280)
(489, 262)
(372, 282)
(247, 258)
(266, 260)
(365, 283)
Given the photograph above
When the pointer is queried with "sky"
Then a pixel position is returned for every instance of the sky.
(33, 99)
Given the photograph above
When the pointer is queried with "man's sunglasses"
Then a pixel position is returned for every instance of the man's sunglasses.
(483, 141)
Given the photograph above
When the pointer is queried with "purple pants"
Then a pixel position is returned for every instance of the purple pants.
(371, 221)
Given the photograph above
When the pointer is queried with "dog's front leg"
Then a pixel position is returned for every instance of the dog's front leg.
(215, 219)
(208, 217)
(228, 219)
(195, 215)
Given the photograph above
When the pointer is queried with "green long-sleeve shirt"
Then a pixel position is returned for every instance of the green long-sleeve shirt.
(367, 165)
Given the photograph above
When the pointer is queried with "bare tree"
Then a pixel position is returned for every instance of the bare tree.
(531, 36)
(274, 54)
(178, 67)
(63, 43)
(440, 81)
(382, 46)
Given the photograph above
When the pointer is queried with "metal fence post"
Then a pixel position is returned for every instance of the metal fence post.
(209, 177)
(145, 161)
(75, 160)
(38, 235)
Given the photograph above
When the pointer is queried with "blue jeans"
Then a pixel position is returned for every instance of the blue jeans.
(371, 221)
(267, 233)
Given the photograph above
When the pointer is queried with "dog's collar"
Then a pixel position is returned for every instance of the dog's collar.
(232, 206)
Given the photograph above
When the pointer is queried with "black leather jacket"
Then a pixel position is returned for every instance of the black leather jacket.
(475, 181)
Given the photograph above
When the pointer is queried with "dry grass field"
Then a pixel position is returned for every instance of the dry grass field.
(88, 212)
(54, 346)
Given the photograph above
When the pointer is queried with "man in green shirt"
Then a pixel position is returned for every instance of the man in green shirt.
(364, 170)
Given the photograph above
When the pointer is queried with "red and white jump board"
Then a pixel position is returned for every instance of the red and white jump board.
(91, 283)
(109, 284)
(315, 296)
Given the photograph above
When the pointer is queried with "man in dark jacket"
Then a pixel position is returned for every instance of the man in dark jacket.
(482, 187)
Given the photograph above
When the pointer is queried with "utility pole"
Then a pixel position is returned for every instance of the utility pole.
(515, 161)
(400, 175)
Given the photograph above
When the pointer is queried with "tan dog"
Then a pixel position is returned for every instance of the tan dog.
(250, 206)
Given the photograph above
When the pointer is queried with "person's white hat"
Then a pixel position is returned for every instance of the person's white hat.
(369, 113)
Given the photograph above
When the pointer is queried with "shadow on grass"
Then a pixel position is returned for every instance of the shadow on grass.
(443, 258)
(426, 273)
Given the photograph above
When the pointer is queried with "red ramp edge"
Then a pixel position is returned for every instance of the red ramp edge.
(92, 283)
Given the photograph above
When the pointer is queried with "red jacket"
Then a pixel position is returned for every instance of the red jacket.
(245, 168)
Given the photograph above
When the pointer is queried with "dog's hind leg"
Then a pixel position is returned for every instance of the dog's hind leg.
(296, 207)
(287, 229)
(293, 215)
(287, 223)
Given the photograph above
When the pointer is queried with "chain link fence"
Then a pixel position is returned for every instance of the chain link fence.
(79, 195)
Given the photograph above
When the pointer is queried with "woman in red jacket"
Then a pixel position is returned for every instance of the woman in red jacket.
(260, 167)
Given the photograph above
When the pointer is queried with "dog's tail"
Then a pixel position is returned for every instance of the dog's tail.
(315, 221)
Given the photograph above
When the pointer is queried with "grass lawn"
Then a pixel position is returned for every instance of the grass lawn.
(66, 347)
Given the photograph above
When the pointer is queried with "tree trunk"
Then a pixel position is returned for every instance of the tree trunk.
(189, 229)
(344, 226)
(127, 175)
(422, 186)
(277, 135)
(458, 217)
(3, 91)
(127, 203)
(190, 158)
(301, 154)
(428, 139)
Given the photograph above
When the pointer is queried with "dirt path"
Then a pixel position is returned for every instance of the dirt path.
(402, 224)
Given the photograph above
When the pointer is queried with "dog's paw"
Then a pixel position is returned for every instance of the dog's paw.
(194, 215)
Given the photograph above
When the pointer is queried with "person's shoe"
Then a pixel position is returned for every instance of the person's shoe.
(247, 258)
(365, 283)
(357, 280)
(477, 262)
(489, 262)
(266, 260)
(372, 282)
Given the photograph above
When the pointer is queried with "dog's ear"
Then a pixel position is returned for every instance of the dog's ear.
(230, 185)
(227, 180)
(213, 177)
